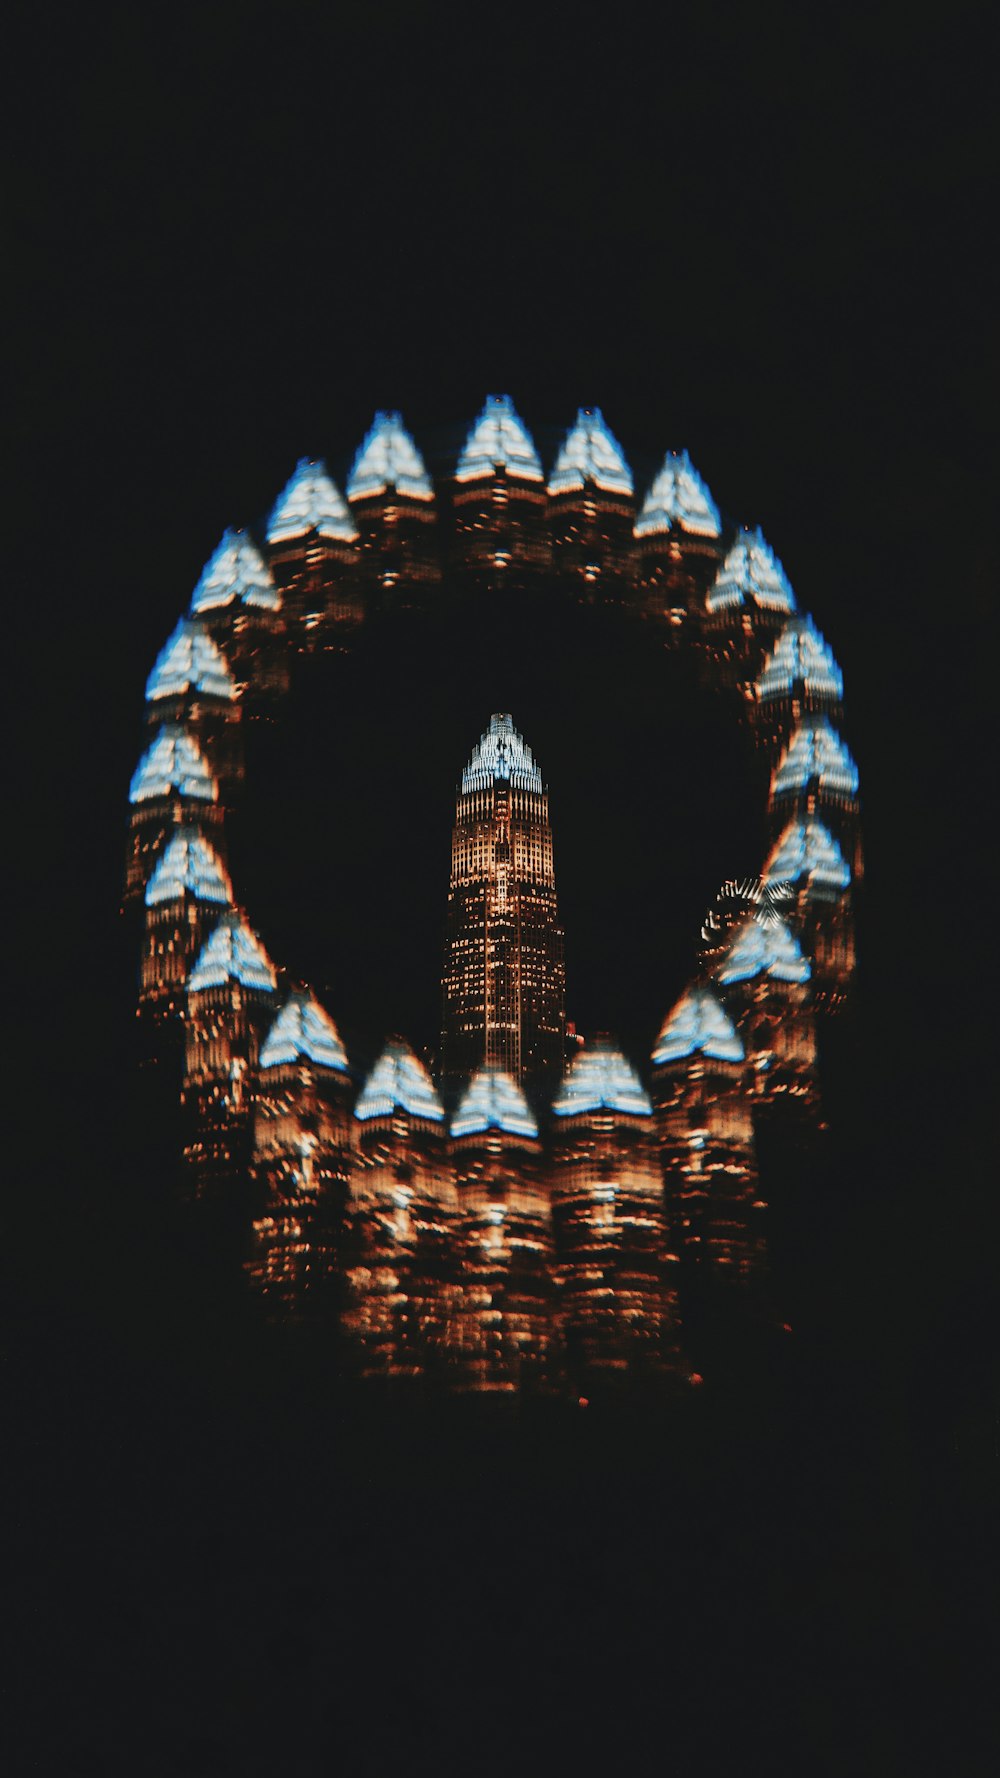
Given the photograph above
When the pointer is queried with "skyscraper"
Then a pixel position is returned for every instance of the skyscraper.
(504, 976)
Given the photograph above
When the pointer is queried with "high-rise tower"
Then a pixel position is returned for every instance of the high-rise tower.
(504, 976)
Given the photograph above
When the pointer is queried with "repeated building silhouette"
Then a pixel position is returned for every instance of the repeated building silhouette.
(525, 1222)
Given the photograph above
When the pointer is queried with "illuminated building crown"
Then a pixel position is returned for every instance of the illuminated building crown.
(678, 497)
(399, 1082)
(499, 440)
(311, 502)
(232, 954)
(815, 752)
(236, 570)
(501, 753)
(698, 1024)
(808, 849)
(600, 1079)
(189, 661)
(388, 458)
(800, 656)
(751, 570)
(173, 761)
(188, 866)
(763, 947)
(303, 1032)
(493, 1101)
(591, 454)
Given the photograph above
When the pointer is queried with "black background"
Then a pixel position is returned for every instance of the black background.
(234, 233)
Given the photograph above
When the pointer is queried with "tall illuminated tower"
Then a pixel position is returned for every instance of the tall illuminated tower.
(499, 496)
(400, 1290)
(745, 609)
(238, 602)
(504, 977)
(231, 993)
(313, 551)
(392, 503)
(677, 541)
(592, 510)
(614, 1262)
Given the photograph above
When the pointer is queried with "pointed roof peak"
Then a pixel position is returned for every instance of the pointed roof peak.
(590, 453)
(173, 761)
(303, 1032)
(698, 1023)
(399, 1082)
(499, 439)
(751, 571)
(190, 661)
(388, 458)
(232, 953)
(311, 502)
(235, 570)
(493, 1101)
(678, 497)
(817, 753)
(808, 849)
(600, 1078)
(502, 753)
(188, 865)
(763, 947)
(801, 655)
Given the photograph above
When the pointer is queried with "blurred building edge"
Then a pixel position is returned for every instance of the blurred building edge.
(400, 1258)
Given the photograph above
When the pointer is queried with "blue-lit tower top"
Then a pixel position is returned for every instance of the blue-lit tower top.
(232, 953)
(591, 455)
(190, 661)
(499, 440)
(189, 866)
(173, 762)
(235, 571)
(800, 657)
(493, 1101)
(808, 849)
(815, 755)
(678, 499)
(502, 753)
(303, 1032)
(763, 946)
(698, 1026)
(399, 1082)
(751, 573)
(311, 504)
(388, 458)
(600, 1079)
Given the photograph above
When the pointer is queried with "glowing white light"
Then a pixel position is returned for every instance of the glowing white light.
(398, 1081)
(173, 762)
(236, 570)
(679, 497)
(190, 661)
(751, 570)
(800, 655)
(763, 947)
(493, 1101)
(808, 849)
(698, 1022)
(311, 502)
(302, 1031)
(815, 751)
(499, 440)
(388, 458)
(188, 866)
(501, 753)
(591, 454)
(600, 1079)
(232, 954)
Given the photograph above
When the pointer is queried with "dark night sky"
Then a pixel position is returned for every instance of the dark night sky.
(758, 233)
